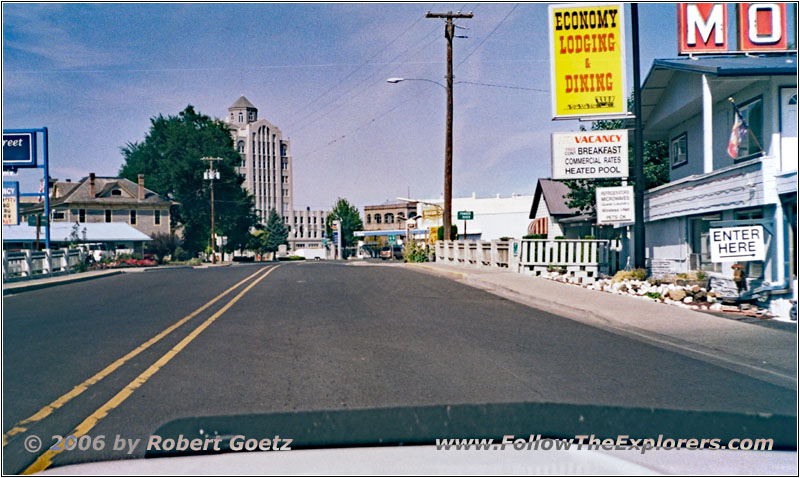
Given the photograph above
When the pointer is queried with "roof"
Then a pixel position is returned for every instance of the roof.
(553, 192)
(68, 193)
(738, 65)
(242, 102)
(60, 232)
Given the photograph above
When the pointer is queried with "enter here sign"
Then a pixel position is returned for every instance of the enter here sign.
(737, 244)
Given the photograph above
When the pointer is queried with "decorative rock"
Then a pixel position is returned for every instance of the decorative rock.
(716, 306)
(687, 300)
(676, 294)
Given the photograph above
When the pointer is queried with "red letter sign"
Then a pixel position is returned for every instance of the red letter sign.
(762, 26)
(702, 27)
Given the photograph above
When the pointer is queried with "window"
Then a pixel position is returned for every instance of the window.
(157, 217)
(388, 218)
(377, 218)
(251, 116)
(241, 117)
(81, 215)
(753, 269)
(753, 113)
(108, 215)
(701, 255)
(116, 192)
(369, 218)
(240, 146)
(133, 217)
(677, 151)
(58, 215)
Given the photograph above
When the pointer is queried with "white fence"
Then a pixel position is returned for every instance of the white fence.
(578, 257)
(36, 264)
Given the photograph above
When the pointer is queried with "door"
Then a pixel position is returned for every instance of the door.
(788, 129)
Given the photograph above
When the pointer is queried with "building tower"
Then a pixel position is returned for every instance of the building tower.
(266, 160)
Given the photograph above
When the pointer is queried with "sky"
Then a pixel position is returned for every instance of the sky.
(94, 74)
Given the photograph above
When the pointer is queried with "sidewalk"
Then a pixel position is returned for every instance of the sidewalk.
(33, 284)
(765, 352)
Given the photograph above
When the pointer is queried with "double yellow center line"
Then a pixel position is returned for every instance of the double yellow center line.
(45, 460)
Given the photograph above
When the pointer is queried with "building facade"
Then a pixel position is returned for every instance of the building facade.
(687, 102)
(106, 200)
(266, 160)
(307, 229)
(388, 216)
(493, 217)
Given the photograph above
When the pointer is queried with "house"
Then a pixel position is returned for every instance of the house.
(492, 217)
(553, 217)
(688, 103)
(106, 200)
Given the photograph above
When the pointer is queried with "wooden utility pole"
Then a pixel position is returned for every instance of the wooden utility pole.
(211, 174)
(449, 31)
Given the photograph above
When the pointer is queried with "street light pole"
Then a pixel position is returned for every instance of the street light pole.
(211, 174)
(449, 31)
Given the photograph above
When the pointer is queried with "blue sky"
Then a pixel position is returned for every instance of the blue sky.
(95, 74)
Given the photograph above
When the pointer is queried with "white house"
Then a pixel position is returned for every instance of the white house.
(493, 217)
(686, 102)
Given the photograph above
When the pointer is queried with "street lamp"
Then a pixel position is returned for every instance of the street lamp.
(211, 175)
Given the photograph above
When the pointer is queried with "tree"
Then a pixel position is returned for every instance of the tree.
(656, 170)
(276, 232)
(163, 245)
(350, 220)
(169, 157)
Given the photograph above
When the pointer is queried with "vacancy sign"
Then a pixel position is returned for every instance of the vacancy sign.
(587, 60)
(10, 203)
(590, 154)
(737, 244)
(615, 205)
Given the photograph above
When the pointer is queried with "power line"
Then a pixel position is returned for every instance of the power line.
(504, 86)
(489, 35)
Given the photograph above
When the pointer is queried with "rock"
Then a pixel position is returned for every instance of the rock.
(711, 299)
(700, 296)
(716, 306)
(695, 289)
(687, 300)
(676, 294)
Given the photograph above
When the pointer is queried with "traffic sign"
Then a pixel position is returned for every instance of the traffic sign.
(19, 149)
(392, 239)
(465, 215)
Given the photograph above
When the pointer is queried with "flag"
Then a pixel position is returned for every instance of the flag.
(41, 190)
(737, 133)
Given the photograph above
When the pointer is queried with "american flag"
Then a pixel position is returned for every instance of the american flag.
(41, 190)
(737, 133)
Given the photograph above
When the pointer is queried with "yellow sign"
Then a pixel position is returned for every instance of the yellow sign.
(587, 60)
(431, 212)
(433, 234)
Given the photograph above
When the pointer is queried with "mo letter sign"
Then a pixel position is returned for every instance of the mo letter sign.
(590, 154)
(587, 60)
(737, 244)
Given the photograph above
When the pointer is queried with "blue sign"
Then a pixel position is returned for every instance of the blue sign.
(10, 203)
(19, 150)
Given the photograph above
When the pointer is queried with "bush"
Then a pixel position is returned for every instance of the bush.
(590, 238)
(180, 254)
(633, 274)
(560, 238)
(453, 233)
(653, 295)
(535, 236)
(506, 238)
(292, 258)
(413, 252)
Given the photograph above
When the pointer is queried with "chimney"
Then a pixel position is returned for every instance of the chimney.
(141, 187)
(91, 185)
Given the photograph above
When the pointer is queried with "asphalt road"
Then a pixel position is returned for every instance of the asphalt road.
(313, 336)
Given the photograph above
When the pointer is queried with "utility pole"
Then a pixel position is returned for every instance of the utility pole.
(211, 174)
(449, 32)
(638, 149)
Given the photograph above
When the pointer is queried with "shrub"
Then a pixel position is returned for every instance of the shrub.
(453, 233)
(292, 258)
(653, 295)
(634, 274)
(413, 252)
(535, 236)
(560, 238)
(180, 254)
(506, 238)
(590, 238)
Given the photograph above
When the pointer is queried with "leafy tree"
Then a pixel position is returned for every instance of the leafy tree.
(656, 170)
(350, 220)
(258, 241)
(163, 245)
(276, 232)
(169, 157)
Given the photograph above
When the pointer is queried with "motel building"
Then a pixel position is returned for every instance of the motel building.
(685, 102)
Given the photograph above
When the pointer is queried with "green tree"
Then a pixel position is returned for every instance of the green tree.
(350, 220)
(276, 232)
(170, 158)
(656, 170)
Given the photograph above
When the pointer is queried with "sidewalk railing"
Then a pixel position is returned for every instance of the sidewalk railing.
(578, 257)
(37, 264)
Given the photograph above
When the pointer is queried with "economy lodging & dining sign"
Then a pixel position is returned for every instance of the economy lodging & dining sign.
(587, 60)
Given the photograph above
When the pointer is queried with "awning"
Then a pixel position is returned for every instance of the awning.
(60, 232)
(388, 232)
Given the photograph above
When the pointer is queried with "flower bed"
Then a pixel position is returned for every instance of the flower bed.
(125, 263)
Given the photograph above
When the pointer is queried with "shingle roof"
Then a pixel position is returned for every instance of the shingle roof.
(80, 193)
(242, 102)
(553, 192)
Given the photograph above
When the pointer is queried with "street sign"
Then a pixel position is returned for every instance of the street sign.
(615, 205)
(19, 150)
(392, 239)
(737, 244)
(10, 203)
(590, 154)
(32, 220)
(465, 215)
(587, 60)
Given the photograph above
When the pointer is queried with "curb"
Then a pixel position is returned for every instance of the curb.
(44, 285)
(440, 272)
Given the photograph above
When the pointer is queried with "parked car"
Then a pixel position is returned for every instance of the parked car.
(98, 251)
(389, 252)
